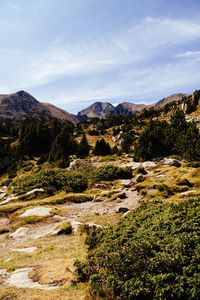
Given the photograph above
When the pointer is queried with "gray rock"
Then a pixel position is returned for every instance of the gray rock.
(133, 165)
(37, 211)
(126, 182)
(149, 164)
(20, 279)
(25, 250)
(171, 162)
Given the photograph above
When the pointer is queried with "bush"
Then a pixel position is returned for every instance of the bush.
(152, 253)
(110, 172)
(193, 164)
(53, 179)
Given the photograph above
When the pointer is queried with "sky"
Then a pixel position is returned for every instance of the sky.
(72, 53)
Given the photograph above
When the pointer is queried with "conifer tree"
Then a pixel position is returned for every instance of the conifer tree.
(83, 147)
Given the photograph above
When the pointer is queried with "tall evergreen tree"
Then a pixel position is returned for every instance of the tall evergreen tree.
(83, 147)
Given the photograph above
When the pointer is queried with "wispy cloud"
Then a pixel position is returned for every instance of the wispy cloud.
(128, 59)
(189, 54)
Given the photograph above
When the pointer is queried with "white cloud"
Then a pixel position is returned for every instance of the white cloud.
(130, 46)
(189, 54)
(126, 54)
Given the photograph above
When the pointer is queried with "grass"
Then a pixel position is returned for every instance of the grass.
(50, 261)
(103, 220)
(61, 198)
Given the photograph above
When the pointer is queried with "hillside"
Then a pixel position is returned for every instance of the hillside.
(86, 210)
(22, 104)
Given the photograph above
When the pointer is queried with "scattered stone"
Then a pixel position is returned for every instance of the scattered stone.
(2, 195)
(37, 211)
(6, 182)
(20, 279)
(94, 159)
(133, 165)
(75, 225)
(122, 210)
(160, 176)
(25, 250)
(140, 178)
(94, 225)
(3, 273)
(20, 233)
(10, 198)
(171, 162)
(149, 164)
(189, 193)
(35, 192)
(126, 182)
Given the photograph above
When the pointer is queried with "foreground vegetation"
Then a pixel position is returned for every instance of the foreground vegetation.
(152, 253)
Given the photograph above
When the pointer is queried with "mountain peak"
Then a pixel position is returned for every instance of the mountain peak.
(21, 104)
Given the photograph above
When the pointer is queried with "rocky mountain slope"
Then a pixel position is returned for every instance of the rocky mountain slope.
(100, 109)
(21, 104)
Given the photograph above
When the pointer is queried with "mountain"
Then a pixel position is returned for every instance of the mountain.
(100, 109)
(21, 104)
(97, 110)
(127, 108)
(170, 99)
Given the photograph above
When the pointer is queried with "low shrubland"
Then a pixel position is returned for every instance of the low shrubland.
(110, 172)
(51, 180)
(152, 253)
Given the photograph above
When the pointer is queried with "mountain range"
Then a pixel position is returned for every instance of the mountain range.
(101, 109)
(21, 104)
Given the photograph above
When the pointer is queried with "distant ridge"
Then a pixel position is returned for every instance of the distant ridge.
(21, 104)
(102, 109)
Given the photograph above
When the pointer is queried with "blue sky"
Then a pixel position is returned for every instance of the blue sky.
(72, 53)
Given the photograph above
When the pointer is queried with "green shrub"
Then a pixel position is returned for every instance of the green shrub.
(53, 179)
(162, 187)
(110, 172)
(192, 164)
(152, 253)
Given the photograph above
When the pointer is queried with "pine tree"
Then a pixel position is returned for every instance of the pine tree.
(83, 147)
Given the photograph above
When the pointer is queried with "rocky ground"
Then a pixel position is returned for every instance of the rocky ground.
(35, 258)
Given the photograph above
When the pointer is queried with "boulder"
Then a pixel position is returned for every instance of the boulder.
(126, 182)
(149, 164)
(171, 162)
(37, 211)
(133, 165)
